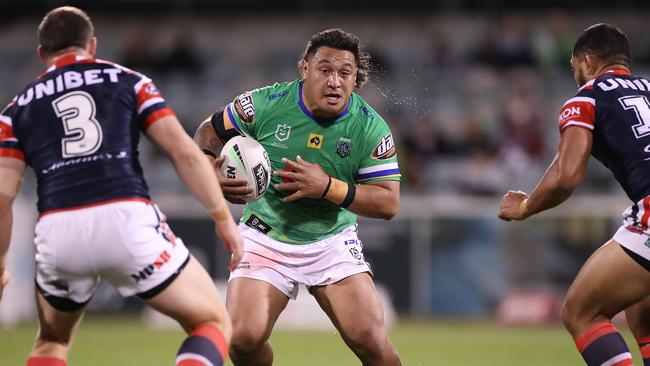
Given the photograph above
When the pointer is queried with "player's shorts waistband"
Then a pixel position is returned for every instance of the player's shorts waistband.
(93, 204)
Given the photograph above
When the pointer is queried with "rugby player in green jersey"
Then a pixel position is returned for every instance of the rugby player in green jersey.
(333, 157)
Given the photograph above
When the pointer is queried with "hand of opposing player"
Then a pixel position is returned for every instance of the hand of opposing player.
(3, 281)
(234, 190)
(304, 179)
(513, 206)
(232, 241)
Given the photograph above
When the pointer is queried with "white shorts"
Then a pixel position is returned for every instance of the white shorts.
(285, 266)
(127, 242)
(636, 243)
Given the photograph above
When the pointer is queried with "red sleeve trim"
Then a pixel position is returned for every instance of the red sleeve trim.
(12, 153)
(156, 116)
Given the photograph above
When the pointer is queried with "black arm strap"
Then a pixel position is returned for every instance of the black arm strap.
(220, 129)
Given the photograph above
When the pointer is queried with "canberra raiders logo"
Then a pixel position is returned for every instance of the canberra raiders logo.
(344, 146)
(282, 132)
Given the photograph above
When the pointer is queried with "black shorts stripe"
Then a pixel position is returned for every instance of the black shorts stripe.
(637, 258)
(60, 303)
(161, 287)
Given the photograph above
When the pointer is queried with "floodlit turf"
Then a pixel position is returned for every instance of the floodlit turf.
(126, 342)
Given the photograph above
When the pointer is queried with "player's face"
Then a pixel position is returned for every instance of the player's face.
(329, 78)
(578, 71)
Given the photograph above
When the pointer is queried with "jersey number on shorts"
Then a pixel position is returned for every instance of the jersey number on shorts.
(83, 134)
(641, 107)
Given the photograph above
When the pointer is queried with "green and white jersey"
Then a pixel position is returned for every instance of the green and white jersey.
(356, 147)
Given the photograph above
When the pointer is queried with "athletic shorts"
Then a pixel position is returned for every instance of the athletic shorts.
(128, 243)
(634, 234)
(285, 266)
(635, 243)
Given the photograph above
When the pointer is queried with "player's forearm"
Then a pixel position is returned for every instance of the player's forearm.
(198, 175)
(553, 189)
(374, 201)
(380, 200)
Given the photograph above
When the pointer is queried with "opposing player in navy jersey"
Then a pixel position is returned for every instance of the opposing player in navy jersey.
(609, 118)
(78, 125)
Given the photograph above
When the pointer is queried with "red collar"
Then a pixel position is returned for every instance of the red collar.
(616, 71)
(69, 59)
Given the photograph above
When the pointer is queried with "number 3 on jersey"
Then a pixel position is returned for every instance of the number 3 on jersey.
(83, 134)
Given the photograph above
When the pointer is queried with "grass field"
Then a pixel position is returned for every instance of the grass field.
(126, 342)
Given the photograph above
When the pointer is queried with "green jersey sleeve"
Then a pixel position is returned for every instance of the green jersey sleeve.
(379, 159)
(247, 109)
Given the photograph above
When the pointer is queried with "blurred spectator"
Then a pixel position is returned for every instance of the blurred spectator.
(181, 56)
(138, 53)
(505, 47)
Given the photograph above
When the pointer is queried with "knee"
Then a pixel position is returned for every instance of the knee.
(370, 341)
(569, 314)
(577, 317)
(247, 338)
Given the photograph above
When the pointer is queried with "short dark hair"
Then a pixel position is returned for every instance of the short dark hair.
(64, 27)
(340, 40)
(608, 43)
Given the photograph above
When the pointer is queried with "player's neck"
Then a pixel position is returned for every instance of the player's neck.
(52, 59)
(605, 68)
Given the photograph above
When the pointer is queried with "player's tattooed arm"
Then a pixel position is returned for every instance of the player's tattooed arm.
(207, 139)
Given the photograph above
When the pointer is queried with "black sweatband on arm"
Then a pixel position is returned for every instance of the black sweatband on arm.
(327, 188)
(209, 153)
(349, 197)
(218, 125)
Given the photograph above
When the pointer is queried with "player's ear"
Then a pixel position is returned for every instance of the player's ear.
(41, 53)
(303, 69)
(91, 47)
(591, 63)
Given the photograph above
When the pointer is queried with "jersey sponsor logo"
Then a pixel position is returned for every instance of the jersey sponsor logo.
(66, 81)
(634, 84)
(261, 176)
(282, 132)
(385, 149)
(147, 271)
(570, 112)
(366, 111)
(245, 108)
(151, 89)
(278, 95)
(344, 146)
(85, 159)
(314, 141)
(257, 224)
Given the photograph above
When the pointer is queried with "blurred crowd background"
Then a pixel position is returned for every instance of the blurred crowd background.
(471, 90)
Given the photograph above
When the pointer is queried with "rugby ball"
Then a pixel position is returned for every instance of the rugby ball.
(246, 159)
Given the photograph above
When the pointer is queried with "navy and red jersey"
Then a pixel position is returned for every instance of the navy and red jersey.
(616, 108)
(78, 126)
